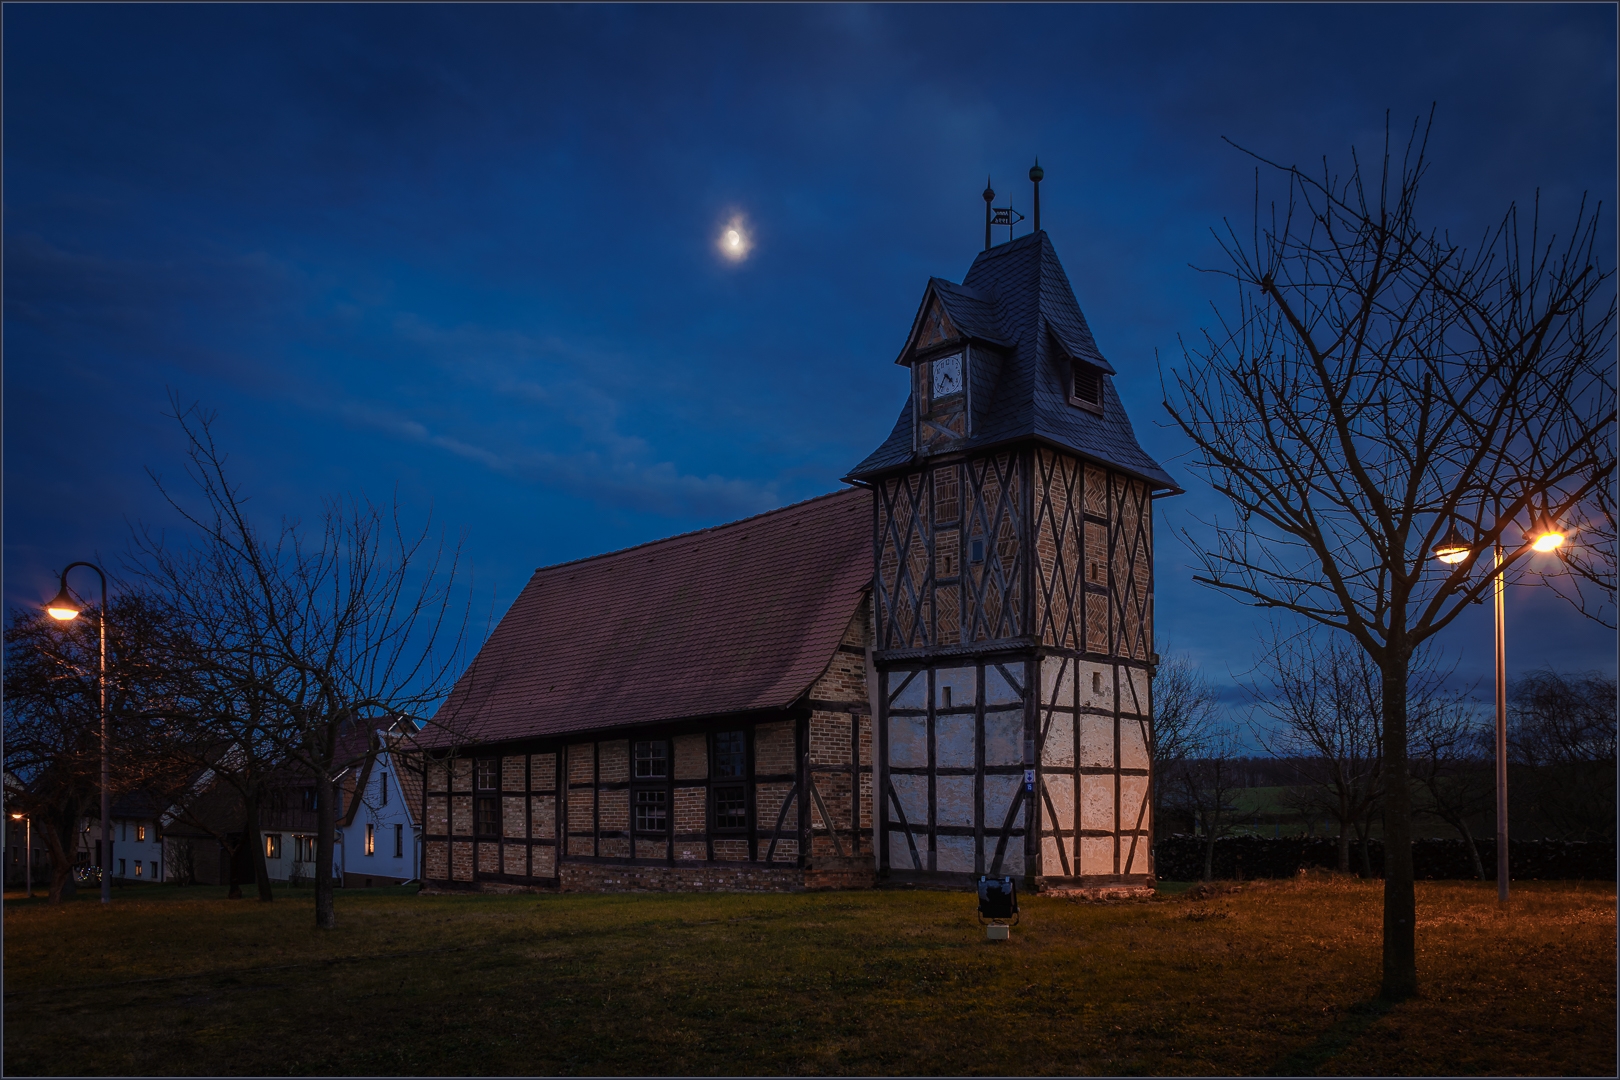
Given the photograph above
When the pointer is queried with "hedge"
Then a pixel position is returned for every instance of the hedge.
(1181, 858)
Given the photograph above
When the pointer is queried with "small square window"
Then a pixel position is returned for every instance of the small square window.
(731, 807)
(730, 754)
(1087, 384)
(650, 811)
(489, 775)
(489, 817)
(652, 760)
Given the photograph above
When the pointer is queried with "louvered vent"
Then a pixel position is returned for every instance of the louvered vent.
(1087, 383)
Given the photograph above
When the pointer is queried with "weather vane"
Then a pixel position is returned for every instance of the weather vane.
(1006, 215)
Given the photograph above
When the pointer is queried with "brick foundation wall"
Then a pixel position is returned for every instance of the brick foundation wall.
(595, 877)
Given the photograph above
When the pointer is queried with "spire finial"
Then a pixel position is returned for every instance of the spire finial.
(1035, 175)
(989, 196)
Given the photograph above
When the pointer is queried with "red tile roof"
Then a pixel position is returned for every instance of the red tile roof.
(739, 617)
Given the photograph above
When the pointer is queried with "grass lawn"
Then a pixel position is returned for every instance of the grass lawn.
(1275, 978)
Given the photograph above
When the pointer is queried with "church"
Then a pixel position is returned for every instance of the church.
(940, 671)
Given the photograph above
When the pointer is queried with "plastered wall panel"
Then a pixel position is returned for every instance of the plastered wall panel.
(1095, 688)
(998, 796)
(1133, 792)
(1004, 738)
(954, 800)
(997, 690)
(961, 682)
(1057, 680)
(1059, 790)
(1057, 751)
(912, 792)
(908, 741)
(1133, 749)
(1135, 685)
(900, 854)
(1096, 741)
(1096, 855)
(954, 854)
(1138, 859)
(1097, 802)
(953, 740)
(1012, 861)
(912, 694)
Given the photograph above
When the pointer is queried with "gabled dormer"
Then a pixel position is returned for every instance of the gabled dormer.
(954, 343)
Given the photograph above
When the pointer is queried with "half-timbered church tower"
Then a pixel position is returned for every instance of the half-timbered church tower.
(941, 671)
(1012, 525)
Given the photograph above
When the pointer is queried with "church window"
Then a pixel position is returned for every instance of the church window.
(731, 807)
(1087, 386)
(976, 551)
(652, 760)
(730, 754)
(651, 813)
(488, 774)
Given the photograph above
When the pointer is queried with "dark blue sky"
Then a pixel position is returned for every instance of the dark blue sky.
(468, 253)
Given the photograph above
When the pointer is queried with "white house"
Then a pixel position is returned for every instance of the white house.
(379, 839)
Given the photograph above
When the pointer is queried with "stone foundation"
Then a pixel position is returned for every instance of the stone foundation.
(1111, 887)
(841, 872)
(601, 877)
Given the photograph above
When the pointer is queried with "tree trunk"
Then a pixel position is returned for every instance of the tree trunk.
(325, 841)
(1209, 854)
(255, 840)
(63, 887)
(1344, 848)
(1363, 829)
(1461, 825)
(1400, 895)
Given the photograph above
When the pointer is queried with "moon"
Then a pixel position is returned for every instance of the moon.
(734, 242)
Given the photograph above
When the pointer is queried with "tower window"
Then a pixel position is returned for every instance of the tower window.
(976, 551)
(652, 761)
(1086, 387)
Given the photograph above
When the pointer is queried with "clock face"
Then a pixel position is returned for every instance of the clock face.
(947, 373)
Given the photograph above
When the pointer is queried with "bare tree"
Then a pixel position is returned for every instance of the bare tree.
(336, 627)
(1561, 729)
(1203, 785)
(1375, 387)
(1185, 712)
(1320, 705)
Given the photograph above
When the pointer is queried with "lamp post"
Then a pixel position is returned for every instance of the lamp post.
(65, 609)
(28, 850)
(1453, 549)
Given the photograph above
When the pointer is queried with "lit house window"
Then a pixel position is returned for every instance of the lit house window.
(138, 868)
(304, 848)
(652, 761)
(272, 845)
(140, 833)
(371, 839)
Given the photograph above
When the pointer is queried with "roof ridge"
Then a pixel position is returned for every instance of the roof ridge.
(698, 532)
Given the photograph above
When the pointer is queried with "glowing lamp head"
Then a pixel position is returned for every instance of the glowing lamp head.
(1453, 549)
(64, 608)
(16, 817)
(1547, 539)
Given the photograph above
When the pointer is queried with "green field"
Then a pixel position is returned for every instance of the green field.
(1275, 978)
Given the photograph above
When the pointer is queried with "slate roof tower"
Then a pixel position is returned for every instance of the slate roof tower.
(1013, 589)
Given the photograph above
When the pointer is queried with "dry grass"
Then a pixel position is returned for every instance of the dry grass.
(1274, 978)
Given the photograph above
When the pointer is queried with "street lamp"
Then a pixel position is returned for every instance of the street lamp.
(65, 609)
(28, 850)
(1454, 549)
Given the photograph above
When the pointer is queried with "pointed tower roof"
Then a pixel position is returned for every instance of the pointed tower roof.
(1017, 302)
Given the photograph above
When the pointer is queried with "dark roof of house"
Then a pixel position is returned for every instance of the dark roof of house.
(733, 619)
(1016, 296)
